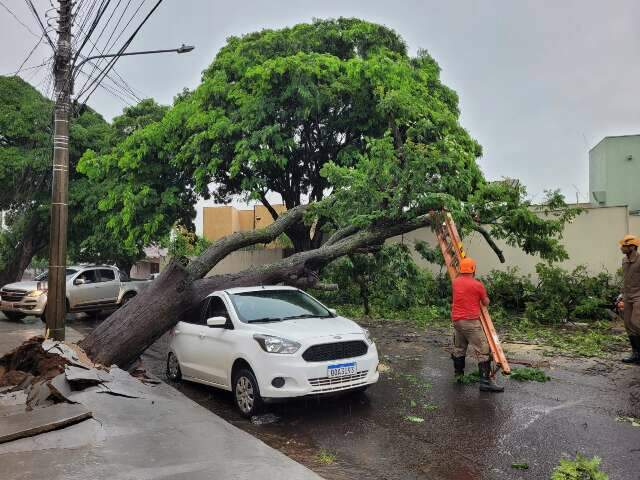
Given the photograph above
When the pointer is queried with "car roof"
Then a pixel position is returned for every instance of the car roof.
(84, 267)
(257, 288)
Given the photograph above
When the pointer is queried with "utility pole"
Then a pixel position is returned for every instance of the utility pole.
(56, 295)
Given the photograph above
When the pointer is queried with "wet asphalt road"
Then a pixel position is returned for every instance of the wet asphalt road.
(465, 434)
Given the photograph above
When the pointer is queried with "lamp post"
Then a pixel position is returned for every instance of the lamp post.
(63, 69)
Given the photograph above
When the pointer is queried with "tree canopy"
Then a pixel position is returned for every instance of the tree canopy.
(334, 113)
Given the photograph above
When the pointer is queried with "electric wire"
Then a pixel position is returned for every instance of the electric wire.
(37, 16)
(110, 65)
(18, 20)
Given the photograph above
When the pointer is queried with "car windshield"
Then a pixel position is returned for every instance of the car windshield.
(276, 305)
(45, 275)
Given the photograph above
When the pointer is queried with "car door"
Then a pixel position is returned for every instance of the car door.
(83, 292)
(217, 346)
(186, 340)
(109, 285)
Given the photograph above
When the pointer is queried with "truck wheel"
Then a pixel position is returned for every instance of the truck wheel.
(127, 296)
(14, 316)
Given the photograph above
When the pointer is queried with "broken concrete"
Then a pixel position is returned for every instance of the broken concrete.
(13, 398)
(41, 420)
(164, 435)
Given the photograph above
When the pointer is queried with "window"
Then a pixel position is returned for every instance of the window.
(89, 276)
(194, 315)
(277, 304)
(216, 309)
(107, 275)
(45, 275)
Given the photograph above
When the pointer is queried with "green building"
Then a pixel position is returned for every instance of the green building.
(614, 172)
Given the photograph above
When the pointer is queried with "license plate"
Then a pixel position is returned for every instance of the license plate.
(341, 369)
(7, 305)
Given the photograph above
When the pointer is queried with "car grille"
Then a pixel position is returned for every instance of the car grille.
(12, 295)
(326, 384)
(335, 351)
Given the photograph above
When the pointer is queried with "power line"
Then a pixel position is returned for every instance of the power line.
(29, 55)
(44, 30)
(18, 20)
(110, 65)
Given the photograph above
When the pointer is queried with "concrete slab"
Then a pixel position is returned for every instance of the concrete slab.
(162, 436)
(41, 420)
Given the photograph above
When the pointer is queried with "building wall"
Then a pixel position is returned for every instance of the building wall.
(614, 167)
(591, 240)
(218, 222)
(242, 259)
(221, 221)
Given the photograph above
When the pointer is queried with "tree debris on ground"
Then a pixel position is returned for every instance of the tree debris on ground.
(41, 382)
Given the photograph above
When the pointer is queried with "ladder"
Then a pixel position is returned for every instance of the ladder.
(453, 251)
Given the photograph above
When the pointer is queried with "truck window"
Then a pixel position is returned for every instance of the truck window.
(107, 275)
(89, 276)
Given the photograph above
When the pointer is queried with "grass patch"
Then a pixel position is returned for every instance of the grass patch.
(411, 418)
(326, 458)
(529, 375)
(581, 468)
(468, 378)
(596, 340)
(520, 466)
(421, 316)
(430, 407)
(635, 422)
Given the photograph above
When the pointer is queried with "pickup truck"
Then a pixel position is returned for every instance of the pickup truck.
(90, 289)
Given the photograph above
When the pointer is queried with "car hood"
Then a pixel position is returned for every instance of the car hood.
(306, 328)
(27, 285)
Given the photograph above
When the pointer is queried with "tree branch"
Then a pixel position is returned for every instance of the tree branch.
(301, 268)
(340, 234)
(268, 206)
(200, 266)
(487, 236)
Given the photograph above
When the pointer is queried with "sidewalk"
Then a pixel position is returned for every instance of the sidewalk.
(161, 435)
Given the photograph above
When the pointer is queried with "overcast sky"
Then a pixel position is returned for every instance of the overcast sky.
(540, 82)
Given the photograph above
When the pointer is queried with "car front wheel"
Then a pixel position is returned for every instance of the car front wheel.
(173, 368)
(246, 393)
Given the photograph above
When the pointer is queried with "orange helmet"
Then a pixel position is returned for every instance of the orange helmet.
(467, 265)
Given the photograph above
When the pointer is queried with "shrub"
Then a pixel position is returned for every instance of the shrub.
(581, 468)
(508, 289)
(562, 296)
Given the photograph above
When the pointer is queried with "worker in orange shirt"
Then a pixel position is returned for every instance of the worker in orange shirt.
(468, 295)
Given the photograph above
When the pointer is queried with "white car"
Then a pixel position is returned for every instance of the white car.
(265, 343)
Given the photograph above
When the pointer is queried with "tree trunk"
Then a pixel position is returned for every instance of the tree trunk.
(127, 333)
(27, 247)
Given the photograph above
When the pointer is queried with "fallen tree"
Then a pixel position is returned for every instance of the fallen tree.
(364, 133)
(126, 334)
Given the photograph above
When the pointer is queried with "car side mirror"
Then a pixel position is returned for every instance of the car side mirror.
(216, 322)
(79, 281)
(333, 312)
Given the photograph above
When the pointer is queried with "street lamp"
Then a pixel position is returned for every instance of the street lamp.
(181, 49)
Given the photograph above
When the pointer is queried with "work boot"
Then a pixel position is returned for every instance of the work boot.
(487, 383)
(635, 350)
(458, 366)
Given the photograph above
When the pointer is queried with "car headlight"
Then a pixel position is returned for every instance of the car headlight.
(272, 344)
(36, 293)
(367, 336)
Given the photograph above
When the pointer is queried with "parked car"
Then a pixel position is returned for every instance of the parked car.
(271, 342)
(89, 289)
